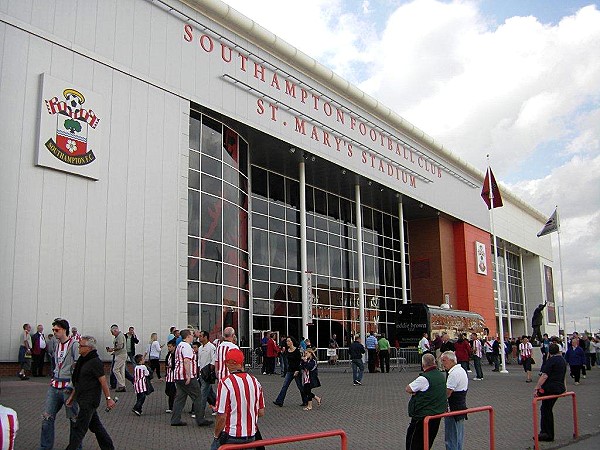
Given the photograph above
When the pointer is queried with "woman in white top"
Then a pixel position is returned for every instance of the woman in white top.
(153, 354)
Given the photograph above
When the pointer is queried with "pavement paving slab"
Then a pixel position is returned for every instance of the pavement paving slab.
(374, 415)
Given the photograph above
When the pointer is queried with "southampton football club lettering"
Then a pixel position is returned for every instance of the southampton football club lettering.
(69, 128)
(72, 122)
(334, 126)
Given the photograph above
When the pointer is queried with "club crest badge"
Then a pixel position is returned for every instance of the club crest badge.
(69, 128)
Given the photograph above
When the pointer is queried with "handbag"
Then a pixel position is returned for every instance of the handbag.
(208, 374)
(149, 387)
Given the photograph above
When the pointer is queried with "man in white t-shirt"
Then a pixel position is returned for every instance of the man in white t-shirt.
(457, 384)
(424, 345)
(206, 357)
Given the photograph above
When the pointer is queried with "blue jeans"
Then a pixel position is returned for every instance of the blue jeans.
(358, 368)
(207, 395)
(454, 433)
(289, 376)
(283, 363)
(55, 399)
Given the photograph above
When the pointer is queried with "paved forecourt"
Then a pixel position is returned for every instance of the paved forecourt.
(374, 415)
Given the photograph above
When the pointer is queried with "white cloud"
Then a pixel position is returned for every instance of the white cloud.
(526, 92)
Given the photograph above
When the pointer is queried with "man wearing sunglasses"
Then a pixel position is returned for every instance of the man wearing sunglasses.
(65, 355)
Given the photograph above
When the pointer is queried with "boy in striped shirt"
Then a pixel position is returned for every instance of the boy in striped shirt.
(240, 402)
(139, 383)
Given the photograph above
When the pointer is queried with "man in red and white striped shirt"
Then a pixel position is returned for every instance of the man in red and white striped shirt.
(186, 370)
(224, 347)
(9, 425)
(240, 402)
(66, 354)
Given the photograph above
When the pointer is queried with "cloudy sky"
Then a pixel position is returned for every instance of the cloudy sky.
(518, 80)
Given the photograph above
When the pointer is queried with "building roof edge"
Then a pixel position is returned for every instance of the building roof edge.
(238, 23)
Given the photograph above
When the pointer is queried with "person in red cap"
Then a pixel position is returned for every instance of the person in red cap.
(240, 402)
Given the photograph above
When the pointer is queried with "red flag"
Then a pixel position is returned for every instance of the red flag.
(485, 191)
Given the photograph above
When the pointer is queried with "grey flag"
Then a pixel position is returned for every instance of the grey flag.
(551, 225)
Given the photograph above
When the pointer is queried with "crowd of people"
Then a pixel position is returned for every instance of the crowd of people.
(193, 365)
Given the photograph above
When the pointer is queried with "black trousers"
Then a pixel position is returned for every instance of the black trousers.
(414, 434)
(384, 360)
(155, 367)
(88, 419)
(372, 358)
(547, 417)
(37, 364)
(576, 372)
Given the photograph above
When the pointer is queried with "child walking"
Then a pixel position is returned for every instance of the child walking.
(170, 388)
(140, 384)
(310, 378)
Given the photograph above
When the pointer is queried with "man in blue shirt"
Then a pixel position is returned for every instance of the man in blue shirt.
(371, 344)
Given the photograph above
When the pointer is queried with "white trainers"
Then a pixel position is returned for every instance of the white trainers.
(168, 411)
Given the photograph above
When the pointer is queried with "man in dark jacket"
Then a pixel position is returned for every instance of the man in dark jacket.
(89, 382)
(38, 352)
(428, 392)
(357, 350)
(551, 382)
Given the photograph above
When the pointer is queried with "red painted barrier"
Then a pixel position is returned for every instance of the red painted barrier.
(549, 397)
(459, 413)
(288, 439)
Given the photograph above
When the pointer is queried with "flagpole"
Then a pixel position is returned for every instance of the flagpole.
(562, 288)
(498, 297)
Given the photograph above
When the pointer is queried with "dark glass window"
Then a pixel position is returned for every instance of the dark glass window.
(230, 147)
(210, 293)
(231, 175)
(260, 273)
(212, 211)
(210, 318)
(211, 271)
(193, 247)
(211, 166)
(193, 268)
(193, 213)
(231, 221)
(292, 193)
(277, 250)
(243, 166)
(193, 314)
(211, 185)
(210, 250)
(276, 188)
(194, 133)
(260, 221)
(260, 247)
(193, 292)
(259, 182)
(211, 137)
(194, 160)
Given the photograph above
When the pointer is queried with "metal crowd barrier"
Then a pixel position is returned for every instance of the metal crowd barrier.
(549, 397)
(288, 439)
(459, 413)
(401, 358)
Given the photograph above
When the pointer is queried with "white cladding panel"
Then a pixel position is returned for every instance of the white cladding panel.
(114, 250)
(95, 252)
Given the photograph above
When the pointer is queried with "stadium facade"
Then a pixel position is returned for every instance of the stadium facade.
(172, 163)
